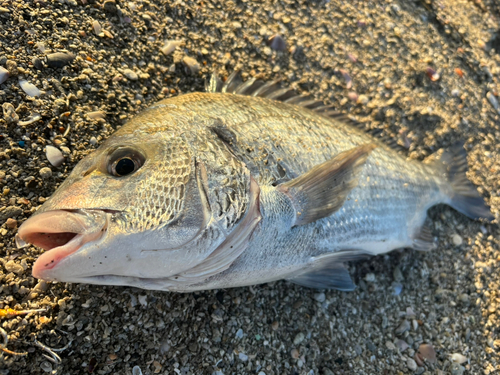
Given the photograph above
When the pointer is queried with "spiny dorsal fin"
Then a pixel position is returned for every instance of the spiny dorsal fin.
(273, 90)
(324, 188)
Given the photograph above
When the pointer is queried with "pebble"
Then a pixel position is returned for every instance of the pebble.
(46, 366)
(458, 358)
(397, 274)
(426, 353)
(59, 59)
(295, 354)
(130, 74)
(136, 370)
(239, 334)
(11, 223)
(4, 74)
(10, 211)
(12, 266)
(110, 6)
(402, 345)
(457, 239)
(169, 46)
(37, 63)
(29, 88)
(493, 101)
(93, 141)
(298, 338)
(11, 66)
(389, 345)
(54, 155)
(243, 357)
(403, 327)
(9, 113)
(370, 277)
(277, 43)
(412, 365)
(456, 369)
(320, 297)
(191, 64)
(45, 173)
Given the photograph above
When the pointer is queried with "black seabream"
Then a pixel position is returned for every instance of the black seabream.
(244, 184)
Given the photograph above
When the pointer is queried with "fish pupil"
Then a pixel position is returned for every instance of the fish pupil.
(125, 166)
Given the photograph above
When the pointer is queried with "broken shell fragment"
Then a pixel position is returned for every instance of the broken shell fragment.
(54, 156)
(29, 88)
(59, 59)
(4, 74)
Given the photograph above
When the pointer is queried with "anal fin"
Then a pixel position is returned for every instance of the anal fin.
(423, 240)
(328, 271)
(324, 188)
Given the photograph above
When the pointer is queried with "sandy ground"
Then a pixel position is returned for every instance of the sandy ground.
(426, 72)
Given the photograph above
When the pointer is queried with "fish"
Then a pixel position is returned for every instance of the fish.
(245, 183)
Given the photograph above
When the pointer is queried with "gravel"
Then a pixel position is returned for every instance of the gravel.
(425, 73)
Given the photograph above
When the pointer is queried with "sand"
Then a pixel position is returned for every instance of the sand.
(424, 72)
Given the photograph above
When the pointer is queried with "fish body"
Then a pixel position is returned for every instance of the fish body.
(244, 184)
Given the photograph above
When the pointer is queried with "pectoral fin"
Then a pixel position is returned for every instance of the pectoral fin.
(324, 189)
(328, 271)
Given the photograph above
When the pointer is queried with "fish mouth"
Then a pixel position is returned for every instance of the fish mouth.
(61, 233)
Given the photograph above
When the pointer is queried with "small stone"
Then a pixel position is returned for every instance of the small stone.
(93, 141)
(277, 43)
(298, 338)
(275, 325)
(9, 113)
(59, 59)
(191, 64)
(397, 274)
(457, 240)
(363, 99)
(10, 211)
(456, 369)
(412, 365)
(169, 46)
(426, 353)
(46, 366)
(45, 173)
(243, 357)
(458, 358)
(320, 297)
(389, 345)
(4, 74)
(295, 354)
(11, 66)
(37, 63)
(403, 327)
(12, 266)
(130, 74)
(110, 6)
(401, 345)
(11, 223)
(239, 334)
(370, 277)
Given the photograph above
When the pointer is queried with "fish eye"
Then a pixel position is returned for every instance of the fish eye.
(123, 162)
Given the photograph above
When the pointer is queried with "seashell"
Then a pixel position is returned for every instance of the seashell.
(34, 117)
(29, 88)
(54, 156)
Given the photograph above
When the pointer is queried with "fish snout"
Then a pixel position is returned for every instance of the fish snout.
(61, 233)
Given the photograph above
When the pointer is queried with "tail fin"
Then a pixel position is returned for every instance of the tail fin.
(464, 195)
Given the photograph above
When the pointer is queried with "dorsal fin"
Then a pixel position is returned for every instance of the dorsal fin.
(273, 90)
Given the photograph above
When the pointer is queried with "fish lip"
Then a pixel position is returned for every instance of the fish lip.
(72, 228)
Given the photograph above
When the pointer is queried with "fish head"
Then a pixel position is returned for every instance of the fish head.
(135, 209)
